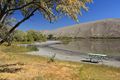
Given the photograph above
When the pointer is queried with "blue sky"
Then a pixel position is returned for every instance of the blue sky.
(100, 9)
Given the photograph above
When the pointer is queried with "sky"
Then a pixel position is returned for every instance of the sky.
(98, 10)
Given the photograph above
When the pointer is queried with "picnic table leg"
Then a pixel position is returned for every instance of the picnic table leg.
(90, 58)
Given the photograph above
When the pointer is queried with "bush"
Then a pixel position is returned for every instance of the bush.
(65, 40)
(50, 37)
(33, 48)
(29, 36)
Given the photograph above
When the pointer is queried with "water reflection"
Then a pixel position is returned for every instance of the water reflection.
(106, 46)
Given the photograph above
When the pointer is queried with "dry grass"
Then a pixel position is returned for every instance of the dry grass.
(20, 66)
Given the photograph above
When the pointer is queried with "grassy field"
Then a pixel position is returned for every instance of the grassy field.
(16, 65)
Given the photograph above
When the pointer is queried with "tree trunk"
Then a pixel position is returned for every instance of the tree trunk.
(23, 20)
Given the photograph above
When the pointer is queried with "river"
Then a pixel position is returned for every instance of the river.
(78, 50)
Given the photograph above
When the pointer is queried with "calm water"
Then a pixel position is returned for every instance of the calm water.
(77, 50)
(110, 47)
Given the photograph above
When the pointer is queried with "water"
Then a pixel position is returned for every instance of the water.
(77, 50)
(110, 47)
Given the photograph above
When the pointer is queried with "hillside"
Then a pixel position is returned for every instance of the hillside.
(102, 28)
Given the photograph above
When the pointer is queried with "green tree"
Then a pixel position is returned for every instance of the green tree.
(35, 36)
(30, 36)
(3, 32)
(50, 37)
(19, 36)
(41, 37)
(48, 8)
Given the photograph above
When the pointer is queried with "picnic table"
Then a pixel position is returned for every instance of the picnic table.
(96, 57)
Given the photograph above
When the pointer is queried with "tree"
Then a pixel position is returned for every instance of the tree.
(41, 37)
(50, 37)
(50, 9)
(35, 36)
(19, 36)
(5, 27)
(31, 35)
(3, 32)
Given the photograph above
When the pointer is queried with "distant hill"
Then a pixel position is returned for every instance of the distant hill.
(109, 28)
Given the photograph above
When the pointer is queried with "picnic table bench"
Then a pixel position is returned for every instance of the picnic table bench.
(96, 57)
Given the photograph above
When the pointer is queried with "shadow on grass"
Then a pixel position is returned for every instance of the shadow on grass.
(10, 68)
(7, 65)
(3, 79)
(88, 61)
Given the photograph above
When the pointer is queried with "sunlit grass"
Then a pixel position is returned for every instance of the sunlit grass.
(16, 65)
(17, 49)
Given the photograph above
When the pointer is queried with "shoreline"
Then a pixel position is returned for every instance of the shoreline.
(48, 51)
